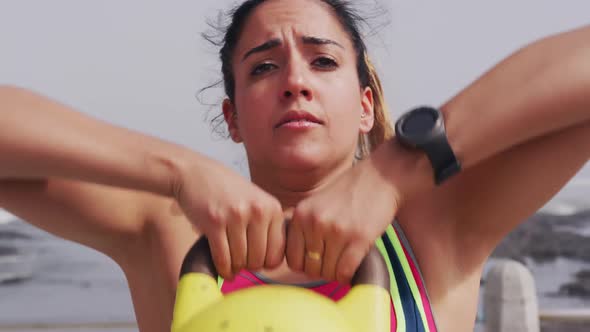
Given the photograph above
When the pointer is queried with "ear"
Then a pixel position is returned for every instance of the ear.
(367, 111)
(231, 118)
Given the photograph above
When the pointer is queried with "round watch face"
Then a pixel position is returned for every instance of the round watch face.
(419, 123)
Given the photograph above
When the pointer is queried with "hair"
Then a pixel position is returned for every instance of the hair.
(367, 74)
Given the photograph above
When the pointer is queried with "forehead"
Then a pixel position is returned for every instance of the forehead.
(275, 18)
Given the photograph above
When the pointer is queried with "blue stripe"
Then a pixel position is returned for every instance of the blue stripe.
(410, 309)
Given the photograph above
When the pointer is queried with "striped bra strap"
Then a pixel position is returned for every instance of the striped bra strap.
(408, 293)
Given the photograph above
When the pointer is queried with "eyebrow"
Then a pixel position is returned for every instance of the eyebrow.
(320, 41)
(263, 47)
(273, 43)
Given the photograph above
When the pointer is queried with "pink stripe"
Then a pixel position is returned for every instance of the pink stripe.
(419, 283)
(239, 282)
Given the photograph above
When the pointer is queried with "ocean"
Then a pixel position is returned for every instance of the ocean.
(60, 284)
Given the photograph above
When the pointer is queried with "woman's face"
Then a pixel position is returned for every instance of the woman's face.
(298, 102)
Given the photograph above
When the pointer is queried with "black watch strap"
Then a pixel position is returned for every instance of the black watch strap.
(443, 159)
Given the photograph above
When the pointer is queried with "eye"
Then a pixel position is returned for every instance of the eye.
(325, 63)
(262, 68)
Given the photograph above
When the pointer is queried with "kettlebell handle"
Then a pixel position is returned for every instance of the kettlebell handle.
(372, 270)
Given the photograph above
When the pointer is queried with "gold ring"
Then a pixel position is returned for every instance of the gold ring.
(316, 256)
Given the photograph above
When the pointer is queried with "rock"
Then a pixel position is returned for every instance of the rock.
(14, 266)
(583, 275)
(575, 289)
(542, 238)
(5, 251)
(578, 288)
(13, 235)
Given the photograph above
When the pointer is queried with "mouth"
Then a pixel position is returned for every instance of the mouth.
(298, 119)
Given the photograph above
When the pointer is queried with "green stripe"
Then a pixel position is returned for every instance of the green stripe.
(409, 276)
(219, 282)
(395, 297)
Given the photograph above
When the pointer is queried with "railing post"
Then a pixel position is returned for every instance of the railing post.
(510, 299)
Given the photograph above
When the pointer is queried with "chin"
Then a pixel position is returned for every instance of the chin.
(301, 159)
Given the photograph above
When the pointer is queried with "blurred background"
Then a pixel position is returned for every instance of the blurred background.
(140, 64)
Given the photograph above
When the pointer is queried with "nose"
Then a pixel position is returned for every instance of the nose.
(296, 81)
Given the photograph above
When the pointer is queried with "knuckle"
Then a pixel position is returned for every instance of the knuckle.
(304, 209)
(214, 217)
(276, 206)
(299, 214)
(257, 212)
(238, 213)
(339, 230)
(356, 232)
(319, 221)
(363, 237)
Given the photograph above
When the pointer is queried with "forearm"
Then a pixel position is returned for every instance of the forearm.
(40, 138)
(541, 89)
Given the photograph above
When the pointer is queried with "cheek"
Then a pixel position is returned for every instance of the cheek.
(254, 115)
(344, 112)
(343, 105)
(256, 101)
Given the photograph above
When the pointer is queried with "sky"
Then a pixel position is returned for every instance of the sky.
(140, 64)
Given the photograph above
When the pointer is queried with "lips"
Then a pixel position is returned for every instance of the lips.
(298, 116)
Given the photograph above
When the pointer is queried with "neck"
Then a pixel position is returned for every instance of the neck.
(290, 186)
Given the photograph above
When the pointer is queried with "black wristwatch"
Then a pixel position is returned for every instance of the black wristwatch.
(423, 128)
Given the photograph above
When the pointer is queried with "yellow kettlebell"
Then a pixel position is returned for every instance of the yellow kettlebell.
(201, 307)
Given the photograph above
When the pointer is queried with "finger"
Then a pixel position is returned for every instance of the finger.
(221, 254)
(295, 246)
(238, 245)
(333, 248)
(275, 248)
(257, 243)
(314, 251)
(313, 262)
(349, 261)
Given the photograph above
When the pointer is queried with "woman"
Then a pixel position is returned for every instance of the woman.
(305, 101)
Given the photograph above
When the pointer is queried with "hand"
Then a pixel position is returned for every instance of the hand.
(244, 224)
(332, 231)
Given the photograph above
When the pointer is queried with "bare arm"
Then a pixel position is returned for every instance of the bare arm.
(40, 138)
(521, 131)
(95, 183)
(539, 90)
(80, 178)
